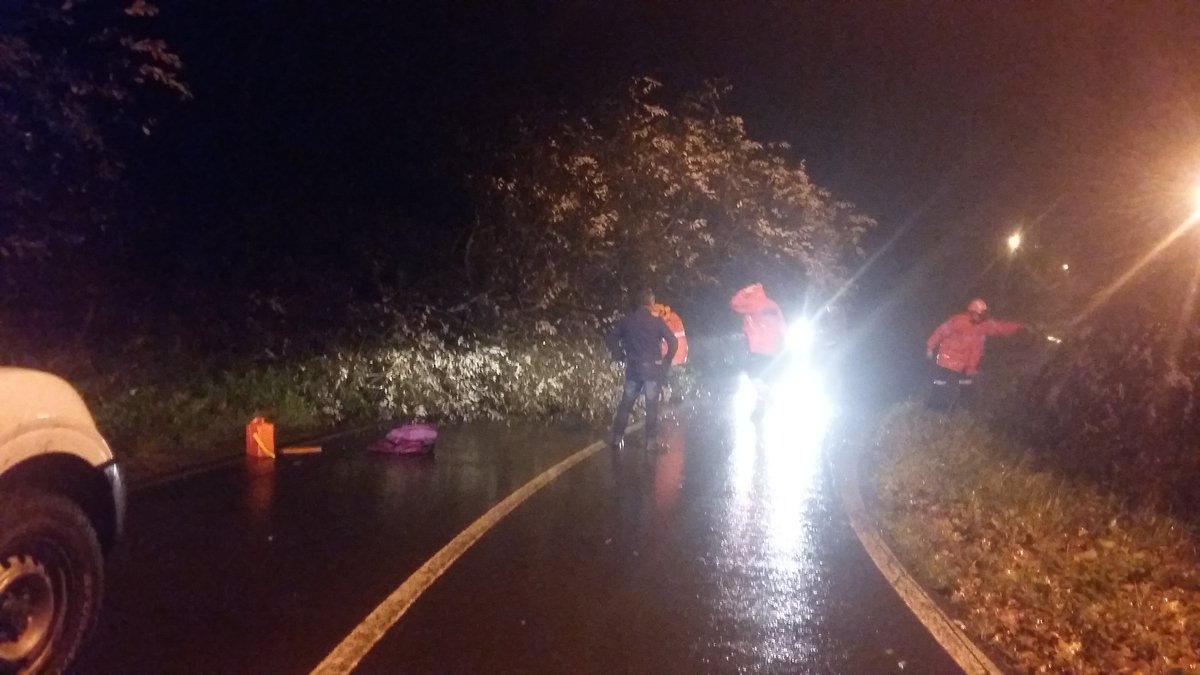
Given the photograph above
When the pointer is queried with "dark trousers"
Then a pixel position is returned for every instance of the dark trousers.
(634, 386)
(950, 389)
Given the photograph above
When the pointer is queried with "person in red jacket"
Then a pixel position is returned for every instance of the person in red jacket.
(763, 325)
(958, 343)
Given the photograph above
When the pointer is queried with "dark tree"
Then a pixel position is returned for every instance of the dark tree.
(642, 191)
(74, 79)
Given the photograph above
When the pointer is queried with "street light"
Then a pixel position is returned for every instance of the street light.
(1066, 267)
(1014, 242)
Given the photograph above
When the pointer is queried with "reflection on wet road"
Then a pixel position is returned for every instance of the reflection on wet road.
(726, 552)
(768, 554)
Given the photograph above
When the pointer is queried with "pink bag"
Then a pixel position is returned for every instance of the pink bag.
(410, 439)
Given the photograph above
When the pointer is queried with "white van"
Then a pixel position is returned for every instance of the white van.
(62, 502)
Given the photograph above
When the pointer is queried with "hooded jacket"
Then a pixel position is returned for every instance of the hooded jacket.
(762, 320)
(960, 342)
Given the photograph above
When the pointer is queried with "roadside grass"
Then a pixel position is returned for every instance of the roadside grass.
(199, 416)
(1052, 573)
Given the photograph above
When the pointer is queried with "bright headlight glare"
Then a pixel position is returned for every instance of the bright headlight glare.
(803, 393)
(795, 408)
(801, 336)
(745, 398)
(800, 410)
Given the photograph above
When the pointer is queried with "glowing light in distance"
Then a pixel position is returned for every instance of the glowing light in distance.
(1066, 267)
(1055, 340)
(1014, 242)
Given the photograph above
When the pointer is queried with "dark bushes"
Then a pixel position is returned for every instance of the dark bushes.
(1117, 404)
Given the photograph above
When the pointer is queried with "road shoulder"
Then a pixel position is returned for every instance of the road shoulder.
(957, 644)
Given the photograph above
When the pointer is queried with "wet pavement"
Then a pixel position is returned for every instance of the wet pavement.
(725, 552)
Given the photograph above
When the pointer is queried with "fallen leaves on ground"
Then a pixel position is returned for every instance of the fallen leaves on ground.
(1053, 575)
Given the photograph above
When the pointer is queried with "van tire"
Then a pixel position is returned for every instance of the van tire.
(51, 579)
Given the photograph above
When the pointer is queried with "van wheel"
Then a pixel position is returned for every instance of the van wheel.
(51, 575)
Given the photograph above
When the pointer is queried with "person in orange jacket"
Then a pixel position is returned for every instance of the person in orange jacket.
(763, 325)
(675, 323)
(959, 344)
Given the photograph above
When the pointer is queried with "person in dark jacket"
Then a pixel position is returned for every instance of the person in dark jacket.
(637, 340)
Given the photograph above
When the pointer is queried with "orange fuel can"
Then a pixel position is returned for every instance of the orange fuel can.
(260, 438)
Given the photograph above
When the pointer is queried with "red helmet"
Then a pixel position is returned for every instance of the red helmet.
(977, 306)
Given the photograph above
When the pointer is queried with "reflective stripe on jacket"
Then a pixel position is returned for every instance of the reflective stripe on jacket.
(675, 323)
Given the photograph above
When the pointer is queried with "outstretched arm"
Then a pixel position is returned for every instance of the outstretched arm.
(995, 327)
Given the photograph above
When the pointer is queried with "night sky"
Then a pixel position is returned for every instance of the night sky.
(956, 121)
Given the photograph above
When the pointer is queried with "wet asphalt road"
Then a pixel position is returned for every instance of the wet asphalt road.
(725, 552)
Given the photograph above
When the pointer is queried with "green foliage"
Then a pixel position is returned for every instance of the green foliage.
(1055, 574)
(423, 369)
(580, 211)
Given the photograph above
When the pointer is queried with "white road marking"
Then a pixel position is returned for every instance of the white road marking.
(965, 653)
(363, 638)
